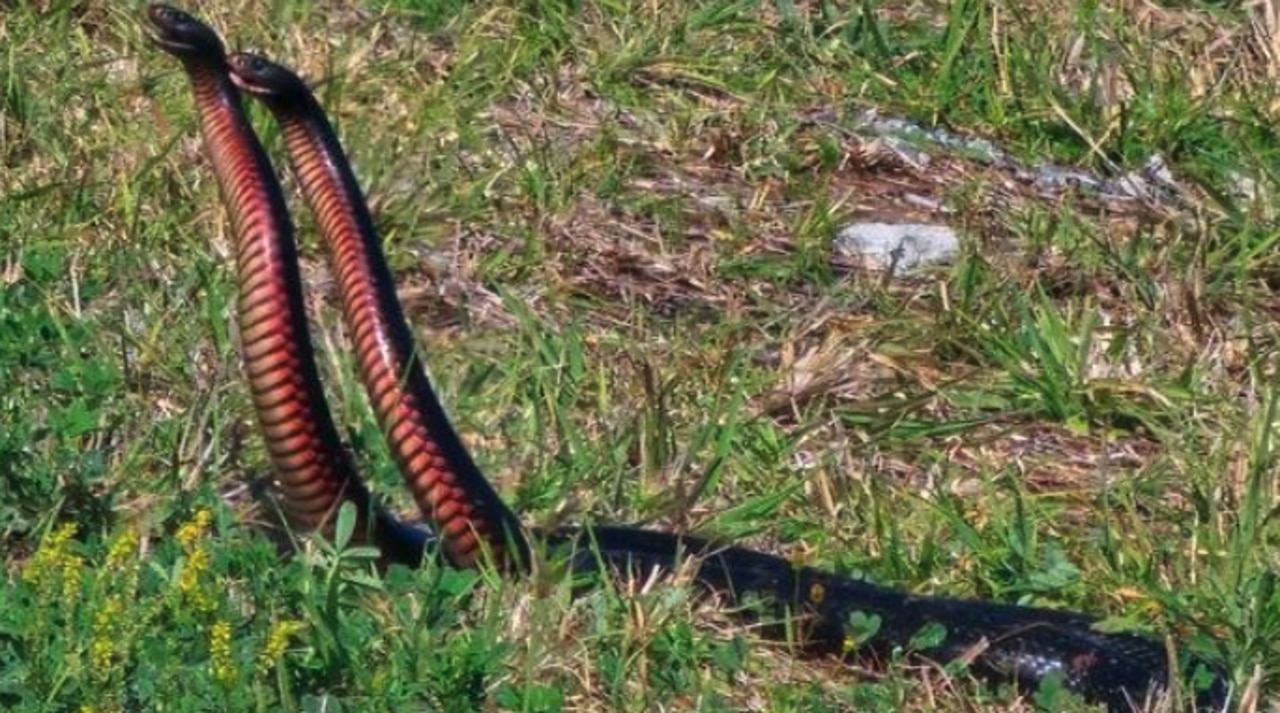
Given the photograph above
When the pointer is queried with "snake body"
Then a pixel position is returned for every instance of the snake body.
(313, 471)
(465, 512)
(1009, 643)
(1005, 643)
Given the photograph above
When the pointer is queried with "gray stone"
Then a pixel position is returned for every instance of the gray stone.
(897, 246)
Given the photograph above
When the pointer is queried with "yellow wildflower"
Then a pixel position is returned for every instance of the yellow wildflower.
(49, 558)
(106, 632)
(101, 653)
(71, 574)
(194, 529)
(817, 593)
(277, 641)
(220, 654)
(191, 580)
(120, 556)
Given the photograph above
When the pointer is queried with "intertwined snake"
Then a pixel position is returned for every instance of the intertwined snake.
(470, 522)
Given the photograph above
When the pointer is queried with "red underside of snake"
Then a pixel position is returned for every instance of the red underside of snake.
(465, 512)
(314, 473)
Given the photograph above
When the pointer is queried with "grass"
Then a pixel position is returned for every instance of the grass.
(612, 224)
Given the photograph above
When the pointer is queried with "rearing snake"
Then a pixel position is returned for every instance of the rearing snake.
(314, 474)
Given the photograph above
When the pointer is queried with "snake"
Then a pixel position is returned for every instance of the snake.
(463, 509)
(470, 523)
(314, 472)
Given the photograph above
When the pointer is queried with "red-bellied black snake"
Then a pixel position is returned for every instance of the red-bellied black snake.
(1013, 643)
(313, 470)
(465, 512)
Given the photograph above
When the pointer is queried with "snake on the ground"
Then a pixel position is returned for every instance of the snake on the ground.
(470, 522)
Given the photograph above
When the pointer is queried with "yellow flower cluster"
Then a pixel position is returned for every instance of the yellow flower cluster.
(277, 641)
(220, 663)
(106, 634)
(191, 532)
(72, 568)
(116, 619)
(120, 558)
(191, 579)
(53, 552)
(55, 570)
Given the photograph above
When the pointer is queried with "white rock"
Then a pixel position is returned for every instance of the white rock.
(902, 246)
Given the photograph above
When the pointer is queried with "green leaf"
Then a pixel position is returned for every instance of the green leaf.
(862, 627)
(929, 636)
(345, 527)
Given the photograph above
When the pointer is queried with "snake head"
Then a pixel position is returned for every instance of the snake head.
(264, 79)
(183, 35)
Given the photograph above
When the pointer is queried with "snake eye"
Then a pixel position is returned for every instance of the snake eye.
(173, 16)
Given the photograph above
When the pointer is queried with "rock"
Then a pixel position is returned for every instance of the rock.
(897, 246)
